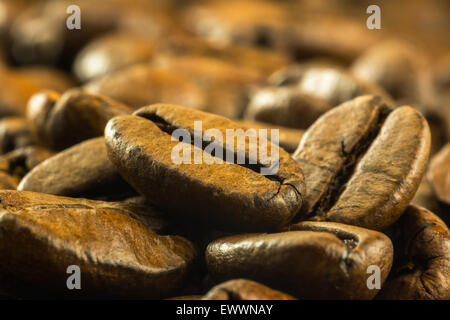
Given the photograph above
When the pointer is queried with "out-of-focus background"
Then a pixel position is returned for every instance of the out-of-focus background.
(281, 62)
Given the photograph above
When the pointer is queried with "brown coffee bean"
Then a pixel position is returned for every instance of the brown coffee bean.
(144, 84)
(141, 147)
(15, 133)
(14, 94)
(327, 35)
(363, 162)
(62, 121)
(226, 85)
(422, 268)
(47, 78)
(15, 164)
(335, 85)
(10, 10)
(397, 67)
(41, 235)
(259, 59)
(18, 85)
(40, 35)
(245, 22)
(242, 289)
(81, 170)
(288, 138)
(292, 74)
(110, 53)
(20, 161)
(318, 260)
(439, 174)
(286, 106)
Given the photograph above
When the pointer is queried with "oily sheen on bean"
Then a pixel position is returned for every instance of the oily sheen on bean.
(315, 260)
(363, 162)
(41, 235)
(230, 196)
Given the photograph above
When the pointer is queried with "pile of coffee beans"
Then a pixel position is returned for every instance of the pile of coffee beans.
(119, 179)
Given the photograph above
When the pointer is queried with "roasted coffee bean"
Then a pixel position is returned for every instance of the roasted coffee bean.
(286, 106)
(41, 235)
(20, 161)
(316, 260)
(242, 289)
(10, 10)
(422, 263)
(363, 162)
(335, 85)
(110, 53)
(326, 81)
(245, 22)
(217, 192)
(82, 170)
(225, 85)
(144, 84)
(40, 35)
(439, 174)
(18, 85)
(62, 121)
(259, 59)
(399, 68)
(288, 138)
(292, 74)
(15, 133)
(14, 94)
(47, 78)
(327, 35)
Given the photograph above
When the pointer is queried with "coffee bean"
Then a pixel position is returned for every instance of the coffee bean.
(336, 86)
(19, 162)
(245, 22)
(41, 235)
(225, 85)
(110, 53)
(363, 162)
(18, 85)
(286, 106)
(62, 121)
(40, 35)
(397, 67)
(439, 174)
(317, 260)
(140, 141)
(82, 170)
(144, 84)
(292, 74)
(422, 268)
(224, 194)
(47, 78)
(326, 81)
(242, 289)
(332, 36)
(15, 133)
